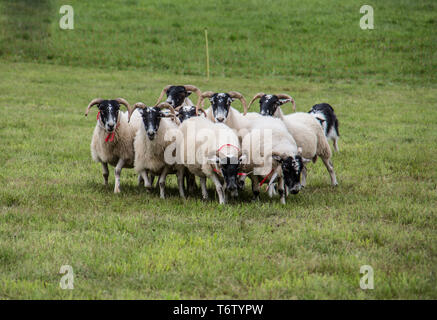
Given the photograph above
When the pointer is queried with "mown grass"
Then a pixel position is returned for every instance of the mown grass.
(251, 38)
(55, 210)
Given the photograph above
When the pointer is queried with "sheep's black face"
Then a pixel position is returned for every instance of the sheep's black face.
(229, 167)
(220, 103)
(109, 110)
(176, 95)
(292, 169)
(186, 113)
(269, 103)
(151, 119)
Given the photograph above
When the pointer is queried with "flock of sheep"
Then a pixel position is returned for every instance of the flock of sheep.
(220, 143)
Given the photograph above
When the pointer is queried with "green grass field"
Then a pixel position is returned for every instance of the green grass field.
(55, 210)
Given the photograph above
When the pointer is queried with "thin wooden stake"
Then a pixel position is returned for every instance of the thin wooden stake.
(207, 54)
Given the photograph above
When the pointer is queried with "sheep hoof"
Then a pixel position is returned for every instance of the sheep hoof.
(117, 190)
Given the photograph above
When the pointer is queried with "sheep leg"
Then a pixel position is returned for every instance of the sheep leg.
(335, 143)
(161, 182)
(203, 187)
(255, 187)
(118, 168)
(219, 188)
(180, 174)
(330, 167)
(152, 180)
(192, 183)
(105, 172)
(140, 180)
(281, 190)
(146, 180)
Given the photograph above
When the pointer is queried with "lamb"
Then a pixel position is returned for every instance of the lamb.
(112, 140)
(151, 142)
(324, 113)
(280, 154)
(178, 95)
(306, 131)
(210, 150)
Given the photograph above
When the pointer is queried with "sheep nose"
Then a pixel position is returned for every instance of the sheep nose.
(110, 127)
(151, 134)
(220, 119)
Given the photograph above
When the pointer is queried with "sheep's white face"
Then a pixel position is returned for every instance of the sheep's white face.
(109, 110)
(220, 103)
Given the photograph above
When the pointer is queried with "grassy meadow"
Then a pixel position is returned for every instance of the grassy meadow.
(55, 209)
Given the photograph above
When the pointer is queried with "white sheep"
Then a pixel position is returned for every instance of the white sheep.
(270, 151)
(112, 140)
(210, 150)
(151, 142)
(304, 128)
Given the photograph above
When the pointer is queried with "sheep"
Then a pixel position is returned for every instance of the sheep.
(304, 128)
(112, 140)
(324, 113)
(210, 150)
(221, 111)
(178, 95)
(187, 112)
(150, 144)
(274, 102)
(280, 154)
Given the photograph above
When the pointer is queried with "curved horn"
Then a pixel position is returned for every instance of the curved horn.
(203, 111)
(164, 91)
(257, 96)
(136, 105)
(93, 102)
(192, 88)
(164, 105)
(125, 103)
(207, 94)
(172, 114)
(237, 95)
(286, 96)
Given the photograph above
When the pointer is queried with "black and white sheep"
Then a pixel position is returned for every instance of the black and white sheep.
(113, 137)
(210, 150)
(304, 128)
(270, 151)
(151, 142)
(178, 95)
